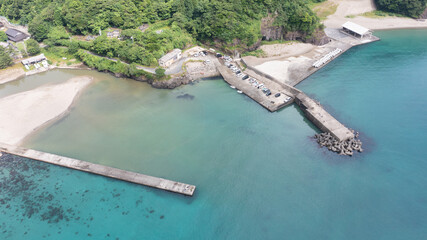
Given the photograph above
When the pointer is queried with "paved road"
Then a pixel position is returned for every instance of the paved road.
(176, 67)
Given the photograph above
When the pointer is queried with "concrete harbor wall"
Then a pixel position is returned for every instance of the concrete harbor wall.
(313, 111)
(106, 171)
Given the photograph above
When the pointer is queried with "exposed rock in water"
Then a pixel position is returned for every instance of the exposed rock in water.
(186, 96)
(347, 147)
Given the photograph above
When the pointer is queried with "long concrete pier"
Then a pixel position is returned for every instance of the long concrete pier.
(106, 171)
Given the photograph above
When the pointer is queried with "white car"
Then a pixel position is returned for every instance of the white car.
(287, 99)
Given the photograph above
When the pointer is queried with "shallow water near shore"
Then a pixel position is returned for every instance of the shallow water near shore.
(259, 175)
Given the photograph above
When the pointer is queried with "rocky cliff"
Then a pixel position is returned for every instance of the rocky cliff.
(270, 32)
(424, 15)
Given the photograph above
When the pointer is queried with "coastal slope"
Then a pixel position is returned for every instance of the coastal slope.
(25, 112)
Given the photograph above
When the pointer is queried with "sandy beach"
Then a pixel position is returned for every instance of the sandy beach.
(353, 8)
(25, 112)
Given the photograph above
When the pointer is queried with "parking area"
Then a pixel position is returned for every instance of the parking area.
(267, 93)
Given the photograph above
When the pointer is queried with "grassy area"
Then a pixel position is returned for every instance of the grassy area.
(265, 42)
(56, 55)
(21, 47)
(256, 53)
(380, 14)
(323, 9)
(16, 65)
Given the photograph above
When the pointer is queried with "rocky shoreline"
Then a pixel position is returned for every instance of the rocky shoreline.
(347, 147)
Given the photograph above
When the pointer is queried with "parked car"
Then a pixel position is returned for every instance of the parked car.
(288, 99)
(245, 77)
(277, 94)
(268, 92)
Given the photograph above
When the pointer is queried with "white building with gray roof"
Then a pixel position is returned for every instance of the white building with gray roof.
(170, 58)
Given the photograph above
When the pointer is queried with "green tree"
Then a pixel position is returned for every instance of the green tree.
(411, 8)
(3, 36)
(73, 47)
(33, 47)
(57, 33)
(5, 59)
(160, 72)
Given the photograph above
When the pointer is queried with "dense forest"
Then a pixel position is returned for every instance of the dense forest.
(203, 20)
(410, 8)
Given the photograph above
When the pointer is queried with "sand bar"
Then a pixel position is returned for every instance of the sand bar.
(11, 74)
(23, 113)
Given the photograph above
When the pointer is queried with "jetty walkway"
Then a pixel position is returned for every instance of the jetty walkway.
(106, 171)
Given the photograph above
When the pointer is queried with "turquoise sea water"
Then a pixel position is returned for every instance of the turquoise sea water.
(259, 175)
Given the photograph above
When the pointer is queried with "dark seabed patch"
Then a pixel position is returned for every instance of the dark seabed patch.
(35, 192)
(186, 96)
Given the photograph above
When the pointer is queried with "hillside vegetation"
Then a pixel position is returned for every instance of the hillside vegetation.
(204, 20)
(410, 8)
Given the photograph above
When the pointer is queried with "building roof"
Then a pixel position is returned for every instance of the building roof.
(15, 35)
(355, 28)
(170, 55)
(34, 59)
(143, 27)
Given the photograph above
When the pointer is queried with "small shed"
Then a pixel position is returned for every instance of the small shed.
(113, 34)
(356, 30)
(34, 59)
(170, 58)
(91, 37)
(15, 35)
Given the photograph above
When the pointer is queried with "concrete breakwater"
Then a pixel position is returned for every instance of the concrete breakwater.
(336, 137)
(322, 119)
(106, 171)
